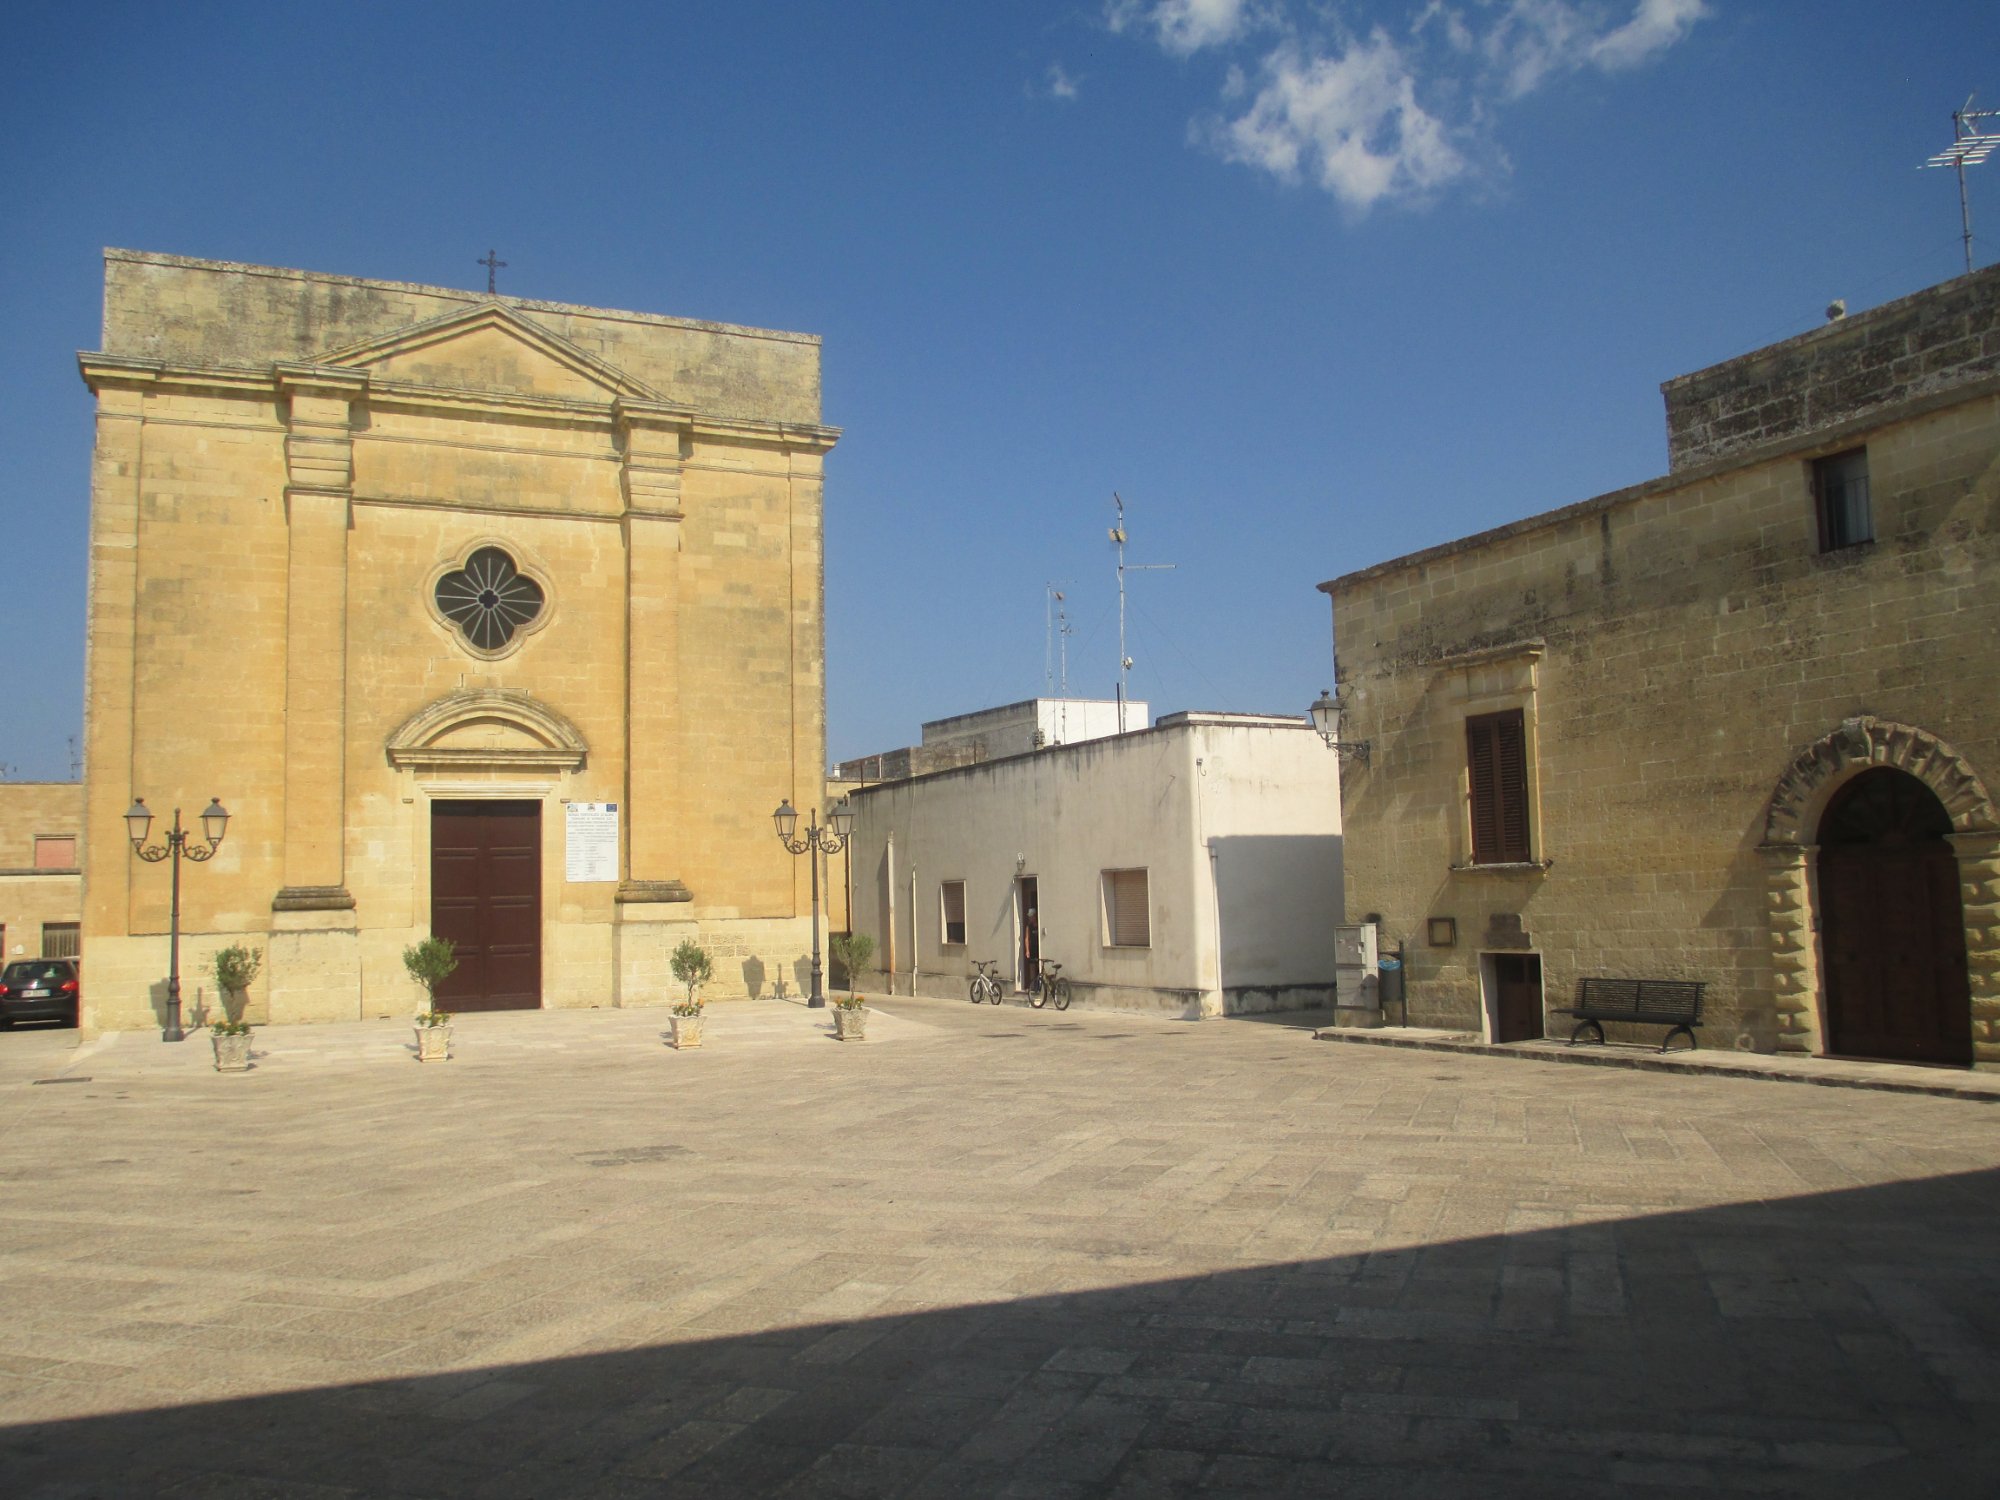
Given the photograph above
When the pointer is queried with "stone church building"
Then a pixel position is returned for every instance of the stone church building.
(481, 616)
(1739, 724)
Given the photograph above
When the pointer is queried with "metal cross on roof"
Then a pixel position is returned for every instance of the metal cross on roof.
(492, 263)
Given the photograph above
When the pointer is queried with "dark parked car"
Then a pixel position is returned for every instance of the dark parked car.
(41, 989)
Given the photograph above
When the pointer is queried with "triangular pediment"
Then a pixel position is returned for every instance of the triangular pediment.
(489, 348)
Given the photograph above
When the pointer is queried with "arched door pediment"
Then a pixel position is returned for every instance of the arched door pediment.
(1859, 744)
(487, 729)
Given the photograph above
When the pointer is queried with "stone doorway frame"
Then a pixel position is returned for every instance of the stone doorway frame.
(1789, 847)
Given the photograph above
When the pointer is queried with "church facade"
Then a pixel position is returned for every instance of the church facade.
(484, 617)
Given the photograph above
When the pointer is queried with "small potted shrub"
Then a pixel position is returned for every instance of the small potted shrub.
(430, 963)
(850, 1013)
(235, 967)
(232, 1046)
(692, 967)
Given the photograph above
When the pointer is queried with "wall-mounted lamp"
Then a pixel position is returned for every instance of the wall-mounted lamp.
(1327, 712)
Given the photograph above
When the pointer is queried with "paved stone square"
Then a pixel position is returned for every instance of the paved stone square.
(986, 1252)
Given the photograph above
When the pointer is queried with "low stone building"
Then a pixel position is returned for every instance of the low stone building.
(482, 616)
(1181, 869)
(1738, 724)
(41, 880)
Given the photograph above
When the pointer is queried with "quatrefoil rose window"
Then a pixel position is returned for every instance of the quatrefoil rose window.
(489, 599)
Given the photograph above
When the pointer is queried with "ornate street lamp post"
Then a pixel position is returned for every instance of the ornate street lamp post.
(817, 843)
(214, 823)
(1327, 713)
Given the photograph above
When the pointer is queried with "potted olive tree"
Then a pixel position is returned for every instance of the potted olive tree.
(692, 967)
(234, 967)
(430, 963)
(850, 1013)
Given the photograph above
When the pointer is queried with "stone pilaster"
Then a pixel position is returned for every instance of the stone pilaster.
(319, 493)
(315, 958)
(116, 475)
(1794, 970)
(653, 440)
(1979, 889)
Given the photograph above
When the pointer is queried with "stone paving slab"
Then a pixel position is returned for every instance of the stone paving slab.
(987, 1252)
(1826, 1072)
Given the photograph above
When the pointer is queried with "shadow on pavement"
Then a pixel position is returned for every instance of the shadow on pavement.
(1841, 1343)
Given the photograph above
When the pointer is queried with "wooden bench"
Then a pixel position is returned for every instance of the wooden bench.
(1673, 1003)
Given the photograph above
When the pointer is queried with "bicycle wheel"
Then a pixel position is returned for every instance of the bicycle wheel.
(994, 992)
(1062, 994)
(977, 989)
(1039, 995)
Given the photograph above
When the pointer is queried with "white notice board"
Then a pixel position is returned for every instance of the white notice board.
(590, 850)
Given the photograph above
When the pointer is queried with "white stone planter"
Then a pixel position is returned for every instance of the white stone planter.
(686, 1033)
(850, 1025)
(232, 1053)
(433, 1043)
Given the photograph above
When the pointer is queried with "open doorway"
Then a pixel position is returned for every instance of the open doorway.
(1028, 926)
(1514, 996)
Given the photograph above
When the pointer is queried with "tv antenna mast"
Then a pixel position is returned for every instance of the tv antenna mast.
(1124, 661)
(1969, 147)
(1055, 652)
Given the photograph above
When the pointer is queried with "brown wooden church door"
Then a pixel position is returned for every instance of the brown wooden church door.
(1517, 996)
(1892, 925)
(486, 896)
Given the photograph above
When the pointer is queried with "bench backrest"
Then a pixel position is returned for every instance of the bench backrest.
(1641, 999)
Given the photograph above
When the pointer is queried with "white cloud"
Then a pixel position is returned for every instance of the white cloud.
(1393, 117)
(1534, 39)
(1182, 27)
(1351, 119)
(1657, 26)
(1059, 84)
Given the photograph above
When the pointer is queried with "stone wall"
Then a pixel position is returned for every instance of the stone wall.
(1675, 649)
(1921, 345)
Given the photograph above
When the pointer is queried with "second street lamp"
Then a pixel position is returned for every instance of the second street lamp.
(817, 843)
(178, 846)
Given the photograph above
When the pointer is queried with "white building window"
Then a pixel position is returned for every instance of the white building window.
(1126, 923)
(951, 907)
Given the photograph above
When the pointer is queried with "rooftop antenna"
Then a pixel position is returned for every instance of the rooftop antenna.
(1969, 147)
(1057, 626)
(1124, 661)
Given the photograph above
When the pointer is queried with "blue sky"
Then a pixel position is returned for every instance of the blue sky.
(1312, 285)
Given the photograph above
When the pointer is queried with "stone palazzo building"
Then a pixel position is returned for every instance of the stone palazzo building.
(495, 618)
(1738, 724)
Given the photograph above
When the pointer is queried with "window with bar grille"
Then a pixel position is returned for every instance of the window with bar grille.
(1496, 757)
(1126, 923)
(1840, 494)
(951, 903)
(62, 939)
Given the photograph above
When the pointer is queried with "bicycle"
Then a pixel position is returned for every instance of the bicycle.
(1050, 985)
(985, 986)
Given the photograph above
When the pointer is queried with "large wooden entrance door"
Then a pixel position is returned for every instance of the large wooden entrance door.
(1517, 997)
(486, 896)
(1892, 925)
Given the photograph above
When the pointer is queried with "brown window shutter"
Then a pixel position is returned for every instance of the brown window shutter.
(1510, 736)
(1130, 927)
(1496, 758)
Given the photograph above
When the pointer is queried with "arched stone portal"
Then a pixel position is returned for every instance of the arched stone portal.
(1892, 924)
(1800, 809)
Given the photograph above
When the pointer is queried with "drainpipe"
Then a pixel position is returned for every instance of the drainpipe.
(913, 930)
